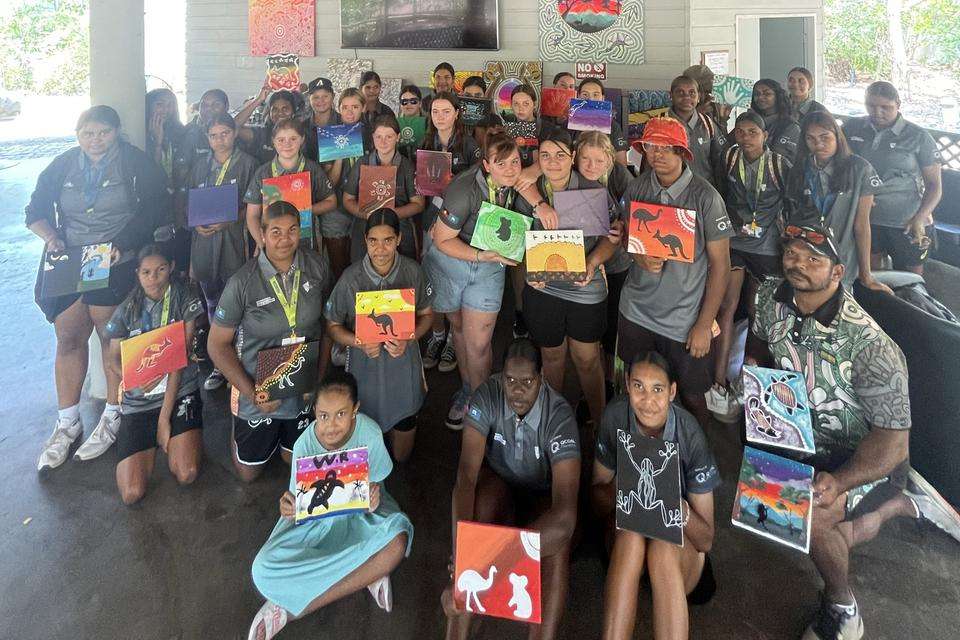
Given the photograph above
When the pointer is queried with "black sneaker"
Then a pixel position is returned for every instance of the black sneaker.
(834, 623)
(519, 326)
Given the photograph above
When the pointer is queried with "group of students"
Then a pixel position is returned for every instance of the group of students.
(803, 207)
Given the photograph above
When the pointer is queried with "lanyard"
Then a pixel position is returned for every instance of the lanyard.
(289, 306)
(492, 190)
(223, 169)
(758, 188)
(548, 188)
(275, 168)
(823, 201)
(147, 320)
(166, 160)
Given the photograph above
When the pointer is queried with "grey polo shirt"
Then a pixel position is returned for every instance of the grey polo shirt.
(842, 213)
(320, 186)
(783, 135)
(403, 191)
(462, 200)
(106, 195)
(741, 194)
(698, 468)
(390, 389)
(125, 323)
(707, 143)
(898, 153)
(616, 182)
(522, 451)
(617, 138)
(596, 290)
(249, 305)
(462, 156)
(668, 302)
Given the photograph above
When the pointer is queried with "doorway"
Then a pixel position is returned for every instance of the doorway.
(769, 46)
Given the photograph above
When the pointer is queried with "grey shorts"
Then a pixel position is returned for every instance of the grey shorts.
(458, 283)
(336, 224)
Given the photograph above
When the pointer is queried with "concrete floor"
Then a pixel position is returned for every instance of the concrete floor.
(76, 563)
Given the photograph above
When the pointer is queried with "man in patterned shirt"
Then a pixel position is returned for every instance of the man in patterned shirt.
(857, 384)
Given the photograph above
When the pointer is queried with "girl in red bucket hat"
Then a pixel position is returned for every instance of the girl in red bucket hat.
(665, 132)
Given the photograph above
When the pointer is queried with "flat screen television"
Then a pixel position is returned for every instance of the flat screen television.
(419, 24)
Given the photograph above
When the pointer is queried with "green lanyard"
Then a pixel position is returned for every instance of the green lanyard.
(492, 190)
(758, 188)
(166, 161)
(147, 323)
(548, 188)
(289, 306)
(275, 168)
(223, 171)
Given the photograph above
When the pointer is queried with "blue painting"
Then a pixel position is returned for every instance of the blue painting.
(339, 141)
(777, 410)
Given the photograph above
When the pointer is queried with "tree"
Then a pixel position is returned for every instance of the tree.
(45, 47)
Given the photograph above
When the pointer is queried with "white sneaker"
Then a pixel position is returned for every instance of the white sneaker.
(268, 622)
(57, 446)
(382, 593)
(214, 381)
(834, 622)
(932, 506)
(722, 404)
(102, 437)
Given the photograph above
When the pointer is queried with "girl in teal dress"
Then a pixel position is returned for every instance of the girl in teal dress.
(303, 568)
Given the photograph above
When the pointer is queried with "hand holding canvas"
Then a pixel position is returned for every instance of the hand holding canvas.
(395, 347)
(54, 243)
(649, 263)
(826, 489)
(493, 256)
(699, 338)
(615, 237)
(592, 267)
(207, 230)
(114, 255)
(372, 350)
(288, 508)
(547, 216)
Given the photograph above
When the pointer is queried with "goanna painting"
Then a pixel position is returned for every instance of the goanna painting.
(146, 357)
(777, 410)
(288, 371)
(556, 255)
(610, 31)
(282, 26)
(774, 498)
(648, 487)
(385, 315)
(662, 231)
(331, 484)
(497, 571)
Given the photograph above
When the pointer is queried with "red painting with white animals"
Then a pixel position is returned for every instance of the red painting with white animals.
(153, 354)
(662, 231)
(497, 571)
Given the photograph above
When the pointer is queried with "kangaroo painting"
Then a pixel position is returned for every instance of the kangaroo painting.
(384, 322)
(662, 231)
(385, 315)
(671, 242)
(152, 354)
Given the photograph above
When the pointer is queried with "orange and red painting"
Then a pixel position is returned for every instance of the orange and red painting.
(385, 315)
(497, 571)
(282, 26)
(555, 256)
(153, 354)
(662, 231)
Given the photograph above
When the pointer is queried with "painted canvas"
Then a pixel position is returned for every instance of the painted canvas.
(412, 129)
(648, 487)
(288, 371)
(610, 31)
(590, 115)
(434, 172)
(390, 92)
(525, 133)
(554, 256)
(662, 231)
(390, 314)
(777, 410)
(212, 205)
(555, 102)
(473, 110)
(497, 571)
(502, 76)
(61, 273)
(94, 266)
(282, 26)
(339, 141)
(584, 209)
(377, 188)
(774, 498)
(440, 24)
(346, 72)
(333, 484)
(294, 188)
(643, 104)
(283, 71)
(500, 230)
(733, 91)
(150, 355)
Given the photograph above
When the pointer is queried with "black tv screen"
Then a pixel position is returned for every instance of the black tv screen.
(419, 24)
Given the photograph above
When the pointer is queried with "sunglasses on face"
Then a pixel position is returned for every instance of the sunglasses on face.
(409, 101)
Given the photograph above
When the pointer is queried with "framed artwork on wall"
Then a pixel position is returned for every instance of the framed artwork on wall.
(426, 24)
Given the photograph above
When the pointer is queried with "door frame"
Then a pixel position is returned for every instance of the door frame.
(818, 76)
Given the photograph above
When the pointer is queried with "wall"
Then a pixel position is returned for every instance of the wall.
(217, 49)
(117, 25)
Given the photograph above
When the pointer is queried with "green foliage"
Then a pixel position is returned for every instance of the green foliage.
(932, 33)
(45, 47)
(856, 38)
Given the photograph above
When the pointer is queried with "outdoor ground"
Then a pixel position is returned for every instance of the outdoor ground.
(76, 563)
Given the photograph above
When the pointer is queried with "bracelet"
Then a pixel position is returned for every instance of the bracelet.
(477, 259)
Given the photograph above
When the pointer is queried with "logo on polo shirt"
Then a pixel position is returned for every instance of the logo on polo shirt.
(220, 313)
(476, 414)
(452, 218)
(554, 446)
(195, 305)
(875, 181)
(262, 302)
(499, 438)
(306, 286)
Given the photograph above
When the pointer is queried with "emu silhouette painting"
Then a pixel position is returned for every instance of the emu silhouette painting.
(662, 231)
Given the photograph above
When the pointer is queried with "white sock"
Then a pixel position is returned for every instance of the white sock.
(849, 609)
(70, 414)
(111, 408)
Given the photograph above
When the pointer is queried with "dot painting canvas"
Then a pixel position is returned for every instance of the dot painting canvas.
(332, 484)
(776, 409)
(287, 371)
(282, 26)
(497, 571)
(339, 141)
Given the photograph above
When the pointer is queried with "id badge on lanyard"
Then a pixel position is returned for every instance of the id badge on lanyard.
(289, 307)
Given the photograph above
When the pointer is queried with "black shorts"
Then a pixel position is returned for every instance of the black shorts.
(894, 242)
(138, 431)
(757, 265)
(257, 440)
(614, 288)
(694, 375)
(123, 277)
(407, 424)
(551, 319)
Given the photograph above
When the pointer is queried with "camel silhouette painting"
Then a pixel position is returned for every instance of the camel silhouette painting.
(662, 231)
(497, 571)
(385, 315)
(146, 357)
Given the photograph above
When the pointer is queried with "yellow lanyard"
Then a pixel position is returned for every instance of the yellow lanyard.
(223, 171)
(164, 313)
(548, 188)
(289, 306)
(761, 170)
(275, 168)
(492, 190)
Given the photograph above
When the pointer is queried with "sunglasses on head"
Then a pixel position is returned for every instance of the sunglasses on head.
(815, 238)
(409, 101)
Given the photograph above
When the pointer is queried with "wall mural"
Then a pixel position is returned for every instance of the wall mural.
(608, 31)
(282, 26)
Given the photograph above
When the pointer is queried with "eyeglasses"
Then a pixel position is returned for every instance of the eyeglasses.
(409, 101)
(90, 135)
(651, 147)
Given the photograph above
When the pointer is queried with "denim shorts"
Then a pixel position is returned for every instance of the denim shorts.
(458, 283)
